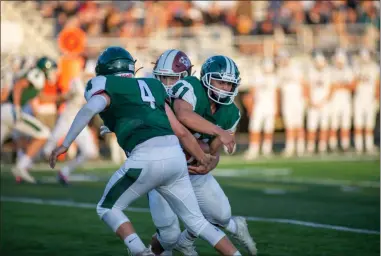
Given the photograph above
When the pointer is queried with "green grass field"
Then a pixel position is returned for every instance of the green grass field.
(284, 201)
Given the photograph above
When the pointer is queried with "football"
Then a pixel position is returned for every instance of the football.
(190, 159)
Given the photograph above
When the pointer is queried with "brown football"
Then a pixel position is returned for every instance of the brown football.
(190, 159)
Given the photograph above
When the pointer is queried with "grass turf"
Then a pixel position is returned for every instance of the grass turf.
(261, 189)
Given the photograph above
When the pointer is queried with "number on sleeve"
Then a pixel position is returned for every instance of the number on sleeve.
(95, 86)
(146, 93)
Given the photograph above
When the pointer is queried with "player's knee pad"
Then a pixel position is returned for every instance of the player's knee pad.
(220, 216)
(44, 133)
(112, 217)
(169, 235)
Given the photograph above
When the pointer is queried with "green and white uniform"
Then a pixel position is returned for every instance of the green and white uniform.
(192, 91)
(27, 124)
(136, 113)
(137, 116)
(211, 198)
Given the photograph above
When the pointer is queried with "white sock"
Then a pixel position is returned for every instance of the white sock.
(310, 146)
(186, 239)
(232, 226)
(369, 142)
(134, 244)
(290, 146)
(72, 165)
(333, 143)
(24, 162)
(359, 142)
(300, 146)
(267, 147)
(20, 154)
(253, 148)
(237, 253)
(322, 146)
(345, 143)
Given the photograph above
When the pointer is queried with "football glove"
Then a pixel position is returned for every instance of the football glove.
(104, 130)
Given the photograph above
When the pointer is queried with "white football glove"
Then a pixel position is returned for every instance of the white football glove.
(104, 130)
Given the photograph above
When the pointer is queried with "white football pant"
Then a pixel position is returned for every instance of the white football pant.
(160, 164)
(212, 200)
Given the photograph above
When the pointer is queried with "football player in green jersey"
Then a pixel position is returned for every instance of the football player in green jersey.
(12, 118)
(145, 127)
(204, 106)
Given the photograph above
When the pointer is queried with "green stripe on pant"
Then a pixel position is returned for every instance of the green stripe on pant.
(121, 186)
(33, 125)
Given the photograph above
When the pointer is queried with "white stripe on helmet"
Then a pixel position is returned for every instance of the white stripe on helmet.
(168, 62)
(228, 68)
(232, 66)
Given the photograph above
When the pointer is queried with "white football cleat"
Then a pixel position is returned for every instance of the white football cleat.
(250, 154)
(186, 250)
(146, 252)
(24, 174)
(243, 236)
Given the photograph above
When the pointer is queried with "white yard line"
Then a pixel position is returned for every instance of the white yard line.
(281, 177)
(74, 204)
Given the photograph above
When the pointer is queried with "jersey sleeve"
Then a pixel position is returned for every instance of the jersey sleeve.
(184, 90)
(36, 78)
(235, 118)
(95, 86)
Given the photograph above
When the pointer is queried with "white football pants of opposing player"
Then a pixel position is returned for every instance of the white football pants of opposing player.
(340, 118)
(317, 118)
(293, 119)
(262, 118)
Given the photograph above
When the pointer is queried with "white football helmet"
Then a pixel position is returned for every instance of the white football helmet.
(171, 66)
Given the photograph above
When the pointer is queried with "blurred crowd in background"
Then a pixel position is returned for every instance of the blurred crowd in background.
(138, 19)
(247, 31)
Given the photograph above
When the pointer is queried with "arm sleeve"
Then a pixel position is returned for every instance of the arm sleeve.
(95, 105)
(234, 127)
(184, 90)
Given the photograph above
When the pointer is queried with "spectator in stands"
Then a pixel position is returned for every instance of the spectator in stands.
(369, 14)
(266, 27)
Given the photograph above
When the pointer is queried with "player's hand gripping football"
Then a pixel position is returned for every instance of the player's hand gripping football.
(204, 166)
(55, 154)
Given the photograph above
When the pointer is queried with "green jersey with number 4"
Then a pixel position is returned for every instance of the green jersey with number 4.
(137, 108)
(192, 91)
(36, 81)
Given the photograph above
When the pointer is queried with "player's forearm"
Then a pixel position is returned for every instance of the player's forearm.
(215, 162)
(94, 106)
(189, 143)
(197, 123)
(4, 95)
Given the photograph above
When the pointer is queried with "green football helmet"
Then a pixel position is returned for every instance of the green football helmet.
(221, 68)
(115, 60)
(49, 67)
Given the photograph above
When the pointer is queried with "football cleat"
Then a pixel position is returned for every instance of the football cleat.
(186, 250)
(243, 236)
(146, 252)
(23, 174)
(62, 179)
